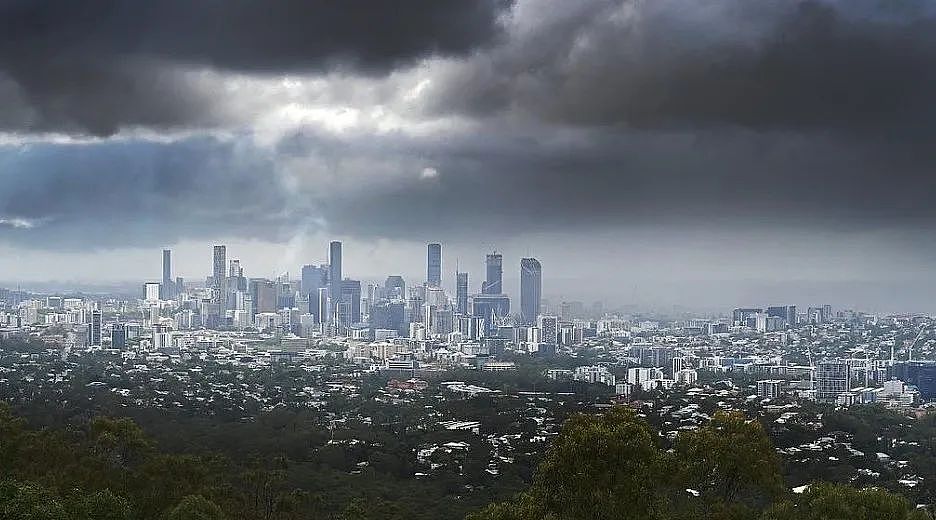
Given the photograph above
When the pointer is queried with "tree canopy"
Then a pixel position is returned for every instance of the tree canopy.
(612, 466)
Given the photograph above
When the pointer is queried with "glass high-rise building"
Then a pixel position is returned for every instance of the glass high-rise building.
(313, 278)
(334, 275)
(434, 265)
(94, 329)
(166, 289)
(118, 336)
(263, 295)
(461, 293)
(494, 282)
(217, 275)
(531, 289)
(351, 299)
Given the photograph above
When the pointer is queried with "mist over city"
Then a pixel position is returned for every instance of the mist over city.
(487, 259)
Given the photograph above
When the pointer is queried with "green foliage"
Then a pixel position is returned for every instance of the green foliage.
(522, 507)
(281, 466)
(102, 505)
(610, 467)
(25, 501)
(823, 501)
(729, 461)
(195, 507)
(600, 466)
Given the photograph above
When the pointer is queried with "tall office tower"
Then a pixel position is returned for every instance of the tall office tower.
(351, 299)
(494, 282)
(217, 275)
(94, 329)
(461, 293)
(334, 276)
(119, 336)
(321, 306)
(263, 295)
(531, 289)
(434, 265)
(492, 308)
(167, 291)
(436, 296)
(389, 315)
(313, 279)
(395, 288)
(286, 291)
(549, 329)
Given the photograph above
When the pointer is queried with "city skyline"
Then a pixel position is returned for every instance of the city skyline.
(371, 265)
(670, 174)
(467, 259)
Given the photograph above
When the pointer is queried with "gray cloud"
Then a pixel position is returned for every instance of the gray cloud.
(842, 66)
(133, 193)
(509, 180)
(96, 68)
(600, 114)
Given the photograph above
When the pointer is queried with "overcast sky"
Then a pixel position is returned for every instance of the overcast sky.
(697, 152)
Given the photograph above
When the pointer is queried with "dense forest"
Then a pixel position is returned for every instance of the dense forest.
(601, 466)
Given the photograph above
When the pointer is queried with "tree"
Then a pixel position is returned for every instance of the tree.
(824, 501)
(102, 505)
(26, 501)
(196, 507)
(729, 461)
(599, 467)
(121, 442)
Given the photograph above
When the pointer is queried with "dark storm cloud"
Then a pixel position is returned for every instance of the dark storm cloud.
(95, 67)
(861, 66)
(596, 114)
(124, 194)
(507, 181)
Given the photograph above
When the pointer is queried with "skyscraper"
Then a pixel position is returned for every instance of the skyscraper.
(263, 295)
(494, 282)
(549, 329)
(334, 275)
(434, 265)
(461, 293)
(217, 276)
(531, 289)
(118, 336)
(94, 329)
(351, 300)
(313, 279)
(395, 288)
(166, 289)
(491, 308)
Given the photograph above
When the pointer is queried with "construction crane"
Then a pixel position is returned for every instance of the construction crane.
(914, 342)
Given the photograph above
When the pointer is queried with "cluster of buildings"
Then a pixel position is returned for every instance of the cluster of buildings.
(779, 317)
(324, 302)
(845, 358)
(397, 322)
